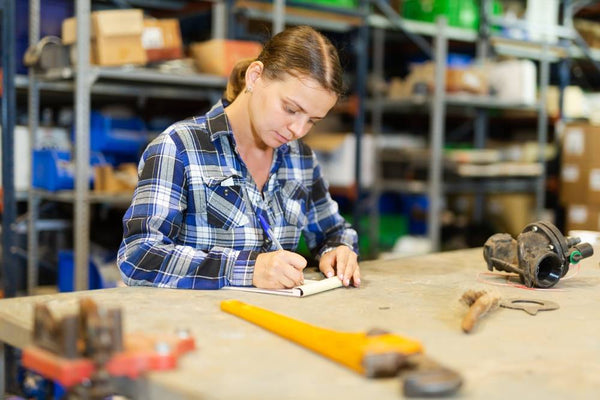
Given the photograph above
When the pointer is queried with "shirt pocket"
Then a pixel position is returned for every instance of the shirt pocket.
(225, 205)
(293, 197)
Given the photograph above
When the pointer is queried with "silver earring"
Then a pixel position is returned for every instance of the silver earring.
(248, 89)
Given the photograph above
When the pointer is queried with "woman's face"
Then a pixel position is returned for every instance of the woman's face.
(284, 110)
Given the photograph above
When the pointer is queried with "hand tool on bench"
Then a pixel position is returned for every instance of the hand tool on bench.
(479, 303)
(373, 354)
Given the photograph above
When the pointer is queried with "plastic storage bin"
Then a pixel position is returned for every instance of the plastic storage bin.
(117, 135)
(460, 13)
(54, 170)
(350, 4)
(66, 266)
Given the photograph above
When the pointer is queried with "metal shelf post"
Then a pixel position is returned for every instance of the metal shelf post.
(437, 121)
(542, 133)
(33, 117)
(82, 147)
(377, 117)
(362, 66)
(8, 99)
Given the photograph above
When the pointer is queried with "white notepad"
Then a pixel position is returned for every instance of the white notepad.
(310, 287)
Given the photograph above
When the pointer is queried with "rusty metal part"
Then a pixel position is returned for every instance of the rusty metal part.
(86, 351)
(94, 333)
(75, 336)
(376, 353)
(479, 303)
(530, 306)
(57, 336)
(540, 255)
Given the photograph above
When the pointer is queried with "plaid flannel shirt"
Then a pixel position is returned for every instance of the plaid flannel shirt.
(193, 219)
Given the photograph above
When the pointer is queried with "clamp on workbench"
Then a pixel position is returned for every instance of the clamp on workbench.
(89, 348)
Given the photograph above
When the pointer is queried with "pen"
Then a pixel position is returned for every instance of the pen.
(267, 228)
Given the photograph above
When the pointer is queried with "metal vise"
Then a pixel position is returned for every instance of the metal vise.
(541, 255)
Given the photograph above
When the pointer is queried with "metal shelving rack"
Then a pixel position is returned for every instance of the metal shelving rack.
(437, 105)
(84, 81)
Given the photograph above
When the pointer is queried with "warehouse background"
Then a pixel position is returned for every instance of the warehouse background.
(504, 135)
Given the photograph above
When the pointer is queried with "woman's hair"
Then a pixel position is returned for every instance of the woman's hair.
(300, 51)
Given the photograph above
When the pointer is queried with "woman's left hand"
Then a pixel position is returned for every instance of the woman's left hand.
(344, 261)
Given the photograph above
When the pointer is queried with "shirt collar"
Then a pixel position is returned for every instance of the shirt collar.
(217, 121)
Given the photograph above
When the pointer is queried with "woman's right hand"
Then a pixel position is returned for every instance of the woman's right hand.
(278, 269)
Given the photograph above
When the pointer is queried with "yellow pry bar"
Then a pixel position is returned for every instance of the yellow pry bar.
(346, 348)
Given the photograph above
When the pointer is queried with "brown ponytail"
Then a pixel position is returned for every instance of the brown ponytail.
(237, 79)
(299, 51)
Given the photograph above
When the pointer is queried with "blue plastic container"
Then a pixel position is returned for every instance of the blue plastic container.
(416, 207)
(117, 135)
(66, 266)
(54, 170)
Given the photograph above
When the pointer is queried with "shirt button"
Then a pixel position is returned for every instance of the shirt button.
(226, 192)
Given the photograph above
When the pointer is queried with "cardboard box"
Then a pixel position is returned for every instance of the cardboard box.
(511, 212)
(583, 217)
(219, 56)
(572, 183)
(589, 31)
(122, 180)
(116, 37)
(161, 39)
(470, 79)
(336, 153)
(574, 103)
(580, 166)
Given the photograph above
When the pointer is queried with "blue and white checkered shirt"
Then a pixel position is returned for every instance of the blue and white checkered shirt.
(193, 219)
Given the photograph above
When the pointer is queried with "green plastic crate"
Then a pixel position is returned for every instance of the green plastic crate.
(460, 13)
(329, 3)
(391, 227)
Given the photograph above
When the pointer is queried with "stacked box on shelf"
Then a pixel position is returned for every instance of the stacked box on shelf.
(116, 37)
(219, 56)
(589, 31)
(580, 176)
(161, 38)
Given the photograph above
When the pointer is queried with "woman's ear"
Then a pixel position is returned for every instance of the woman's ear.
(253, 73)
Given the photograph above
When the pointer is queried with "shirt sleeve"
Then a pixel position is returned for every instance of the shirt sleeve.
(150, 254)
(326, 227)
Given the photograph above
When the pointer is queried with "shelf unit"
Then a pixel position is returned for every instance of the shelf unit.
(84, 81)
(437, 105)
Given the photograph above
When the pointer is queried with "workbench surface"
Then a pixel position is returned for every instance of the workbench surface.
(510, 354)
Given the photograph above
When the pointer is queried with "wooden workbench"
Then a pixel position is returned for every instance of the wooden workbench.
(511, 354)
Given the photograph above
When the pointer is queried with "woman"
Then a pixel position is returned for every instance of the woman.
(223, 198)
